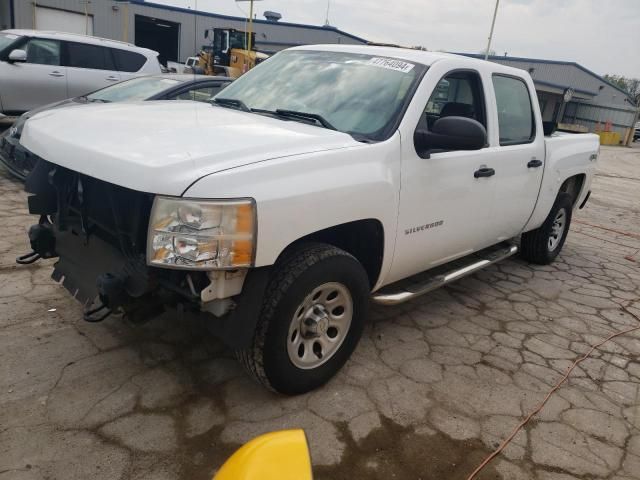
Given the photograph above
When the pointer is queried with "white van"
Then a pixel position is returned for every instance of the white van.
(37, 67)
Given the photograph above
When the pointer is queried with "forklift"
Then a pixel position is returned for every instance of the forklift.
(231, 53)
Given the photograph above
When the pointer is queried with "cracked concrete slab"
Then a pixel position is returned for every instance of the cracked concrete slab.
(432, 388)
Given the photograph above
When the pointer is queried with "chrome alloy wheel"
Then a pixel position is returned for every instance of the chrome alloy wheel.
(319, 325)
(557, 230)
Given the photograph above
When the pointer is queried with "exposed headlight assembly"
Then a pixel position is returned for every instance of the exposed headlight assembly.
(201, 234)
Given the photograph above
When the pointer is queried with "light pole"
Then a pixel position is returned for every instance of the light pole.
(250, 20)
(493, 22)
(125, 28)
(326, 21)
(86, 16)
(125, 18)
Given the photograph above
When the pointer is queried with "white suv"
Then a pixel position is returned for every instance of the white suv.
(39, 67)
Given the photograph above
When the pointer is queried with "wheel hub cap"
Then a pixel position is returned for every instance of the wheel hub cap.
(319, 325)
(315, 323)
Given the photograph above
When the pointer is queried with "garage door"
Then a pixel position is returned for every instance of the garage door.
(62, 21)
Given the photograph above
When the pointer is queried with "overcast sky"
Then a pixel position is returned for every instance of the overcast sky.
(603, 36)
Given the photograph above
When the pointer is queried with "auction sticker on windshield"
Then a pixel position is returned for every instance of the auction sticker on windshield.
(391, 64)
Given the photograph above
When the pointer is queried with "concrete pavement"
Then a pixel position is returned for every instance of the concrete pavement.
(432, 388)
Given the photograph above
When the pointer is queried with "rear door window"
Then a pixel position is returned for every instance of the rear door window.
(43, 51)
(81, 55)
(127, 61)
(515, 113)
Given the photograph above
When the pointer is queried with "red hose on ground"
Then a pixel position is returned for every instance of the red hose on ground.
(547, 397)
(619, 232)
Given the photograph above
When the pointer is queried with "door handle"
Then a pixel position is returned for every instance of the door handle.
(113, 79)
(56, 73)
(534, 163)
(484, 172)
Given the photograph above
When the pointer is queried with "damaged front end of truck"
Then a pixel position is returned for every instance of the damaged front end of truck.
(99, 234)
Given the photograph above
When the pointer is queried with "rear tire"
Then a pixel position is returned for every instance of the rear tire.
(543, 244)
(312, 317)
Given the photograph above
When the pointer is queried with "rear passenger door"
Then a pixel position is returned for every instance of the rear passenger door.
(89, 67)
(518, 154)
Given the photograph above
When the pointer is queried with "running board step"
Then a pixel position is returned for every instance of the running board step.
(425, 282)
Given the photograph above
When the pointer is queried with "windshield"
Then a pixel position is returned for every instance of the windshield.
(7, 39)
(362, 95)
(141, 88)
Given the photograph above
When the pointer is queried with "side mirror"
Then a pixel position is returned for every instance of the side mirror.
(17, 56)
(206, 33)
(451, 133)
(283, 455)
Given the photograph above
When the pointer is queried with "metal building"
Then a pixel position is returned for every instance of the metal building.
(591, 102)
(176, 33)
(567, 92)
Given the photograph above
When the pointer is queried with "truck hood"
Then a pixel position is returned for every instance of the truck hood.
(165, 146)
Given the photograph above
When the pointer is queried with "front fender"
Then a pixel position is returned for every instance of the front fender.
(302, 194)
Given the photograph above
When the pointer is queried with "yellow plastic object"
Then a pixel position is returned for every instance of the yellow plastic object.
(274, 456)
(609, 138)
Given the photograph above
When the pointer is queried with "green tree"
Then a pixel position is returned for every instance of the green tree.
(629, 85)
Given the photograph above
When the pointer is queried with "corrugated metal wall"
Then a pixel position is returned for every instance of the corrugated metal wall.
(608, 104)
(109, 22)
(568, 74)
(594, 117)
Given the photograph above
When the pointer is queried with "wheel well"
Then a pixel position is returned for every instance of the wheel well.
(573, 186)
(364, 239)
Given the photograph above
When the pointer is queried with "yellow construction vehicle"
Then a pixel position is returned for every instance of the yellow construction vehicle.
(231, 53)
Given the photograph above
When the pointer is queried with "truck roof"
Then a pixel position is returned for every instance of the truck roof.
(414, 55)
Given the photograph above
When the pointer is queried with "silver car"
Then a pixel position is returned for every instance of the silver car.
(20, 161)
(37, 68)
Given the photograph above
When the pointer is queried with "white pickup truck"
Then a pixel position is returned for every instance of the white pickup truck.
(327, 177)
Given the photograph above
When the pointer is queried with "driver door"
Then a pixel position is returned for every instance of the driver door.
(444, 209)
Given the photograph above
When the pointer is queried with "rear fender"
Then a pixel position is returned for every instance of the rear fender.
(567, 155)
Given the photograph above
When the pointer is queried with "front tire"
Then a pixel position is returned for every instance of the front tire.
(311, 319)
(543, 244)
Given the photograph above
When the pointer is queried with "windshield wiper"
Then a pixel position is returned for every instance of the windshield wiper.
(240, 105)
(307, 116)
(231, 102)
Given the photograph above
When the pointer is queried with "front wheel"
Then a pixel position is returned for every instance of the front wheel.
(311, 320)
(543, 244)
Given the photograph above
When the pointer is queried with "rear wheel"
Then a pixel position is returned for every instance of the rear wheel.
(543, 244)
(311, 320)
